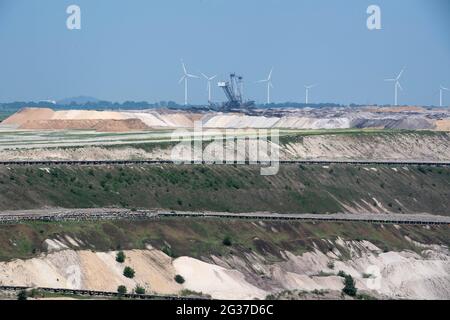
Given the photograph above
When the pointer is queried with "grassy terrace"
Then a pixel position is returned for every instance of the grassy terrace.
(295, 189)
(203, 237)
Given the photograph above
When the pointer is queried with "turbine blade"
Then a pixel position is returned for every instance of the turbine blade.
(184, 67)
(204, 76)
(400, 74)
(270, 74)
(182, 78)
(399, 85)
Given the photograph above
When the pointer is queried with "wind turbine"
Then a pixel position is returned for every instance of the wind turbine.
(441, 90)
(185, 78)
(396, 86)
(307, 88)
(269, 84)
(208, 86)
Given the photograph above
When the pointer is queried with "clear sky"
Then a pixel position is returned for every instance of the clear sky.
(131, 49)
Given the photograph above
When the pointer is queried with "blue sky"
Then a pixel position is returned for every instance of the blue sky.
(131, 50)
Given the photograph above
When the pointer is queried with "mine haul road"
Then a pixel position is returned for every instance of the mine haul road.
(49, 215)
(246, 162)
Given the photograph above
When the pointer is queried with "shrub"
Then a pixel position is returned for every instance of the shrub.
(139, 290)
(128, 272)
(120, 257)
(330, 264)
(168, 251)
(227, 241)
(349, 286)
(22, 295)
(341, 274)
(121, 290)
(179, 279)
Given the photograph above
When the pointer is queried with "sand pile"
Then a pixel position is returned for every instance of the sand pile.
(177, 120)
(59, 124)
(313, 123)
(29, 114)
(98, 125)
(443, 125)
(120, 125)
(239, 121)
(383, 118)
(87, 115)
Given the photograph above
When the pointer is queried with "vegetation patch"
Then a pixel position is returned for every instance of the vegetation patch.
(295, 189)
(202, 237)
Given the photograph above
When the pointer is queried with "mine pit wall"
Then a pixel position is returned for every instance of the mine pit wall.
(297, 188)
(259, 262)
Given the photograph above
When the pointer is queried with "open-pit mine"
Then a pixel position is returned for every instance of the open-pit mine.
(361, 192)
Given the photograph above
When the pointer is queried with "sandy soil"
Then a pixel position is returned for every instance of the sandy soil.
(89, 270)
(29, 114)
(397, 109)
(407, 146)
(217, 281)
(443, 125)
(403, 275)
(100, 125)
(395, 117)
(396, 147)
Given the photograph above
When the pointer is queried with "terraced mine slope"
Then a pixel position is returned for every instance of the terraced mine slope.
(295, 189)
(259, 258)
(293, 145)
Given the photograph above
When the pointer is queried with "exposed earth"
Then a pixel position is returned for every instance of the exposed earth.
(265, 258)
(412, 118)
(230, 258)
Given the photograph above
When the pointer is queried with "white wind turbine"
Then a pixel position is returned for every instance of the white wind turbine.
(208, 85)
(269, 84)
(396, 86)
(441, 93)
(185, 78)
(307, 88)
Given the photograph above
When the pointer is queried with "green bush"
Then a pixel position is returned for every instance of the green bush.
(168, 251)
(121, 290)
(128, 272)
(120, 257)
(139, 290)
(349, 286)
(22, 295)
(179, 279)
(227, 241)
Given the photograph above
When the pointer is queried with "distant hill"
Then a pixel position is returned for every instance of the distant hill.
(80, 100)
